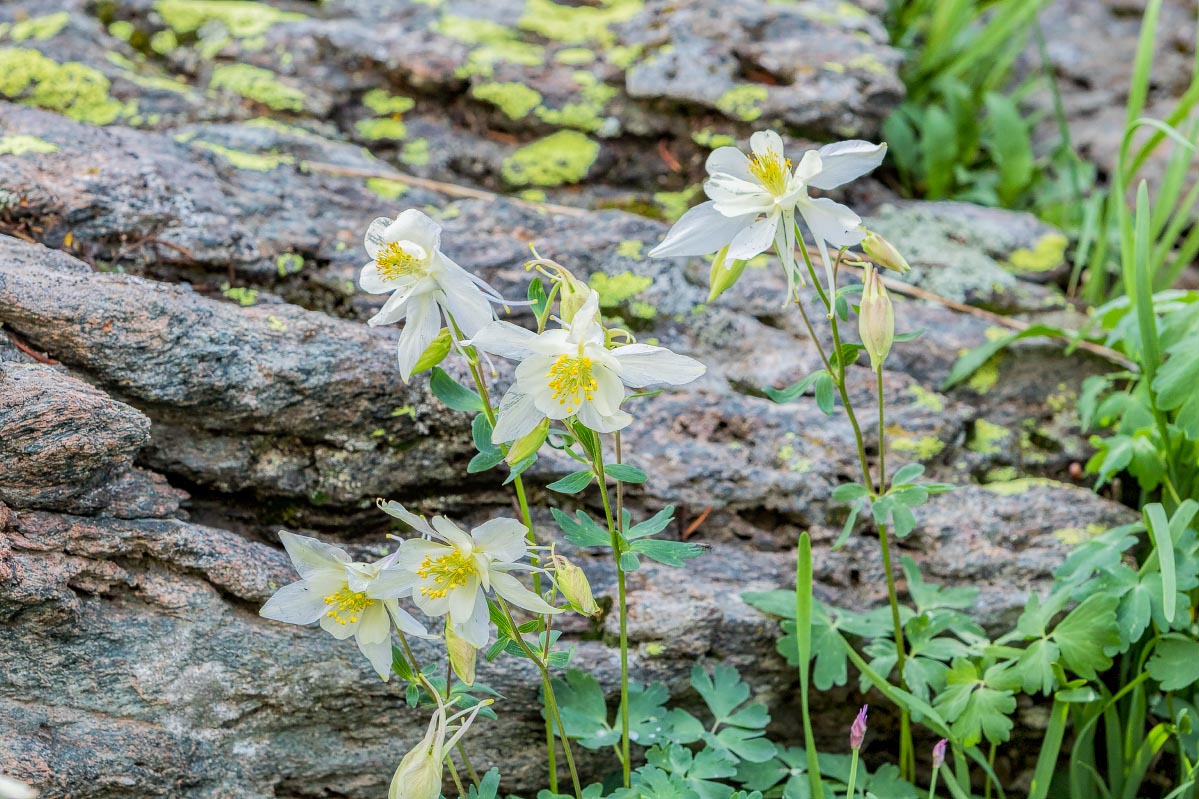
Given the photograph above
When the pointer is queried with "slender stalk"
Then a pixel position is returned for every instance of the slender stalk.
(622, 603)
(932, 785)
(449, 761)
(551, 701)
(470, 770)
(853, 775)
(882, 434)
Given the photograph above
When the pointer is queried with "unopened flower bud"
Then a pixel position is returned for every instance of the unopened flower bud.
(857, 731)
(435, 353)
(419, 775)
(939, 753)
(572, 582)
(529, 443)
(724, 274)
(876, 318)
(883, 253)
(462, 654)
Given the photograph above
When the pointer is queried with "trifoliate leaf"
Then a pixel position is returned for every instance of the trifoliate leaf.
(975, 709)
(927, 596)
(583, 710)
(489, 786)
(581, 530)
(629, 560)
(1084, 634)
(744, 744)
(722, 691)
(654, 783)
(651, 526)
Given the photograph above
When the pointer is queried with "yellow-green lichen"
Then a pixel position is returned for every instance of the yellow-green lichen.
(494, 43)
(743, 102)
(563, 157)
(675, 203)
(1019, 485)
(1073, 536)
(655, 649)
(415, 153)
(145, 81)
(532, 195)
(614, 290)
(121, 29)
(241, 18)
(836, 67)
(404, 410)
(790, 459)
(381, 128)
(19, 144)
(642, 310)
(72, 89)
(574, 56)
(926, 399)
(289, 263)
(257, 84)
(516, 100)
(276, 324)
(384, 103)
(985, 377)
(631, 248)
(241, 295)
(587, 113)
(986, 437)
(711, 140)
(257, 162)
(39, 28)
(577, 24)
(868, 62)
(164, 42)
(1048, 253)
(999, 474)
(623, 57)
(387, 189)
(923, 448)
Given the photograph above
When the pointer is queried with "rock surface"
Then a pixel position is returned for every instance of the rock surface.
(179, 241)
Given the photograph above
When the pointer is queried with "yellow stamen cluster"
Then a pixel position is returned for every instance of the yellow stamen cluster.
(394, 262)
(345, 605)
(571, 380)
(772, 170)
(447, 573)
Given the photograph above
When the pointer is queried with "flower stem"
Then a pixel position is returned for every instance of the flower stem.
(932, 784)
(551, 701)
(853, 775)
(449, 761)
(470, 770)
(622, 604)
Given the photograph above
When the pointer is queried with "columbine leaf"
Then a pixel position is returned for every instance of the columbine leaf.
(1175, 386)
(744, 744)
(722, 691)
(824, 392)
(1175, 663)
(584, 713)
(782, 395)
(581, 530)
(928, 596)
(573, 483)
(975, 709)
(629, 561)
(625, 473)
(1084, 634)
(671, 553)
(453, 394)
(651, 526)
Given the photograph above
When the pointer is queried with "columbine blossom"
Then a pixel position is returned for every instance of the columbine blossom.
(420, 772)
(753, 202)
(571, 372)
(449, 571)
(425, 285)
(333, 589)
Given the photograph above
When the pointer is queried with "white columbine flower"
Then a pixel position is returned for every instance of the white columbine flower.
(753, 202)
(407, 260)
(419, 773)
(454, 577)
(571, 372)
(333, 590)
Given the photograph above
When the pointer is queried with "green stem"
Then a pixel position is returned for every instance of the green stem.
(449, 761)
(853, 775)
(622, 603)
(551, 701)
(470, 770)
(932, 784)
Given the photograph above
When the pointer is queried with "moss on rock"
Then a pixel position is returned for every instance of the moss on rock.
(563, 157)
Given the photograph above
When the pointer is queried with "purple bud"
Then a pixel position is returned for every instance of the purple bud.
(857, 731)
(939, 753)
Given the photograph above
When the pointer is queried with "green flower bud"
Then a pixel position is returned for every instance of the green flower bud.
(883, 253)
(434, 353)
(876, 318)
(462, 655)
(723, 274)
(572, 582)
(528, 444)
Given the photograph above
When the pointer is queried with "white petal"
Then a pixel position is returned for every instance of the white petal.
(396, 307)
(310, 555)
(393, 583)
(371, 282)
(586, 324)
(415, 226)
(809, 166)
(643, 365)
(379, 655)
(609, 391)
(831, 222)
(297, 603)
(338, 630)
(516, 417)
(729, 161)
(594, 420)
(510, 589)
(505, 340)
(502, 539)
(451, 532)
(700, 231)
(422, 326)
(754, 240)
(375, 239)
(477, 629)
(463, 298)
(375, 625)
(405, 621)
(766, 143)
(462, 600)
(846, 160)
(418, 523)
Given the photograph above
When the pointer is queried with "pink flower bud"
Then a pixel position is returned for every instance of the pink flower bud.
(939, 753)
(857, 731)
